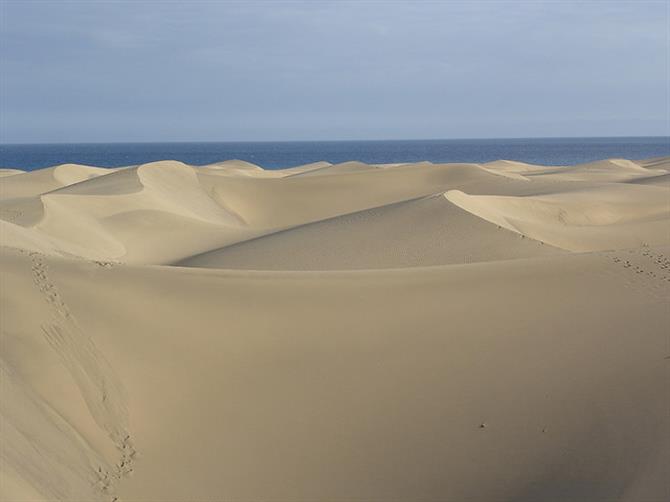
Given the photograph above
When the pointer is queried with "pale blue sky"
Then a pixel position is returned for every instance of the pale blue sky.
(273, 70)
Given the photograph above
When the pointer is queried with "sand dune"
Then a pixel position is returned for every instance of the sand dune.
(420, 232)
(345, 167)
(335, 332)
(614, 170)
(10, 172)
(608, 217)
(44, 180)
(107, 217)
(279, 203)
(164, 211)
(655, 163)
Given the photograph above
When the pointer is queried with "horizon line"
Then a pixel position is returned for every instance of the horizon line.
(321, 140)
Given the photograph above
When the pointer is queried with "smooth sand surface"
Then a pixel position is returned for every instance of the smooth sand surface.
(424, 332)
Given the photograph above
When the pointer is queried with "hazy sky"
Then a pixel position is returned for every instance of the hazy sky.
(273, 70)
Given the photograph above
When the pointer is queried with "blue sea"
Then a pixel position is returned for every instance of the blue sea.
(276, 155)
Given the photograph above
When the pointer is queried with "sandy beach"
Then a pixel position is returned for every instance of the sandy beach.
(349, 332)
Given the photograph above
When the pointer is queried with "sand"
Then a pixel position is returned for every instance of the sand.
(351, 332)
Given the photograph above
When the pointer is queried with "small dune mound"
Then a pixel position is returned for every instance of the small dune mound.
(303, 168)
(67, 174)
(236, 164)
(10, 172)
(514, 166)
(341, 168)
(236, 168)
(32, 183)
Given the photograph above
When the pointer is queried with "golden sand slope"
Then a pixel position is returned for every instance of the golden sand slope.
(336, 332)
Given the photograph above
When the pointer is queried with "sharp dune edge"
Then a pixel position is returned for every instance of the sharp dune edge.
(342, 332)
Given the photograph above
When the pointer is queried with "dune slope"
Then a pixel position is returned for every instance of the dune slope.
(335, 332)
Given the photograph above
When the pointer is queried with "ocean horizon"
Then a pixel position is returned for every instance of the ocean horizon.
(282, 154)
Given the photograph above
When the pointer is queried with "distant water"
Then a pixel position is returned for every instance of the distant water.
(275, 155)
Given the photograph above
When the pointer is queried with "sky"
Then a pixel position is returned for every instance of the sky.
(109, 71)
